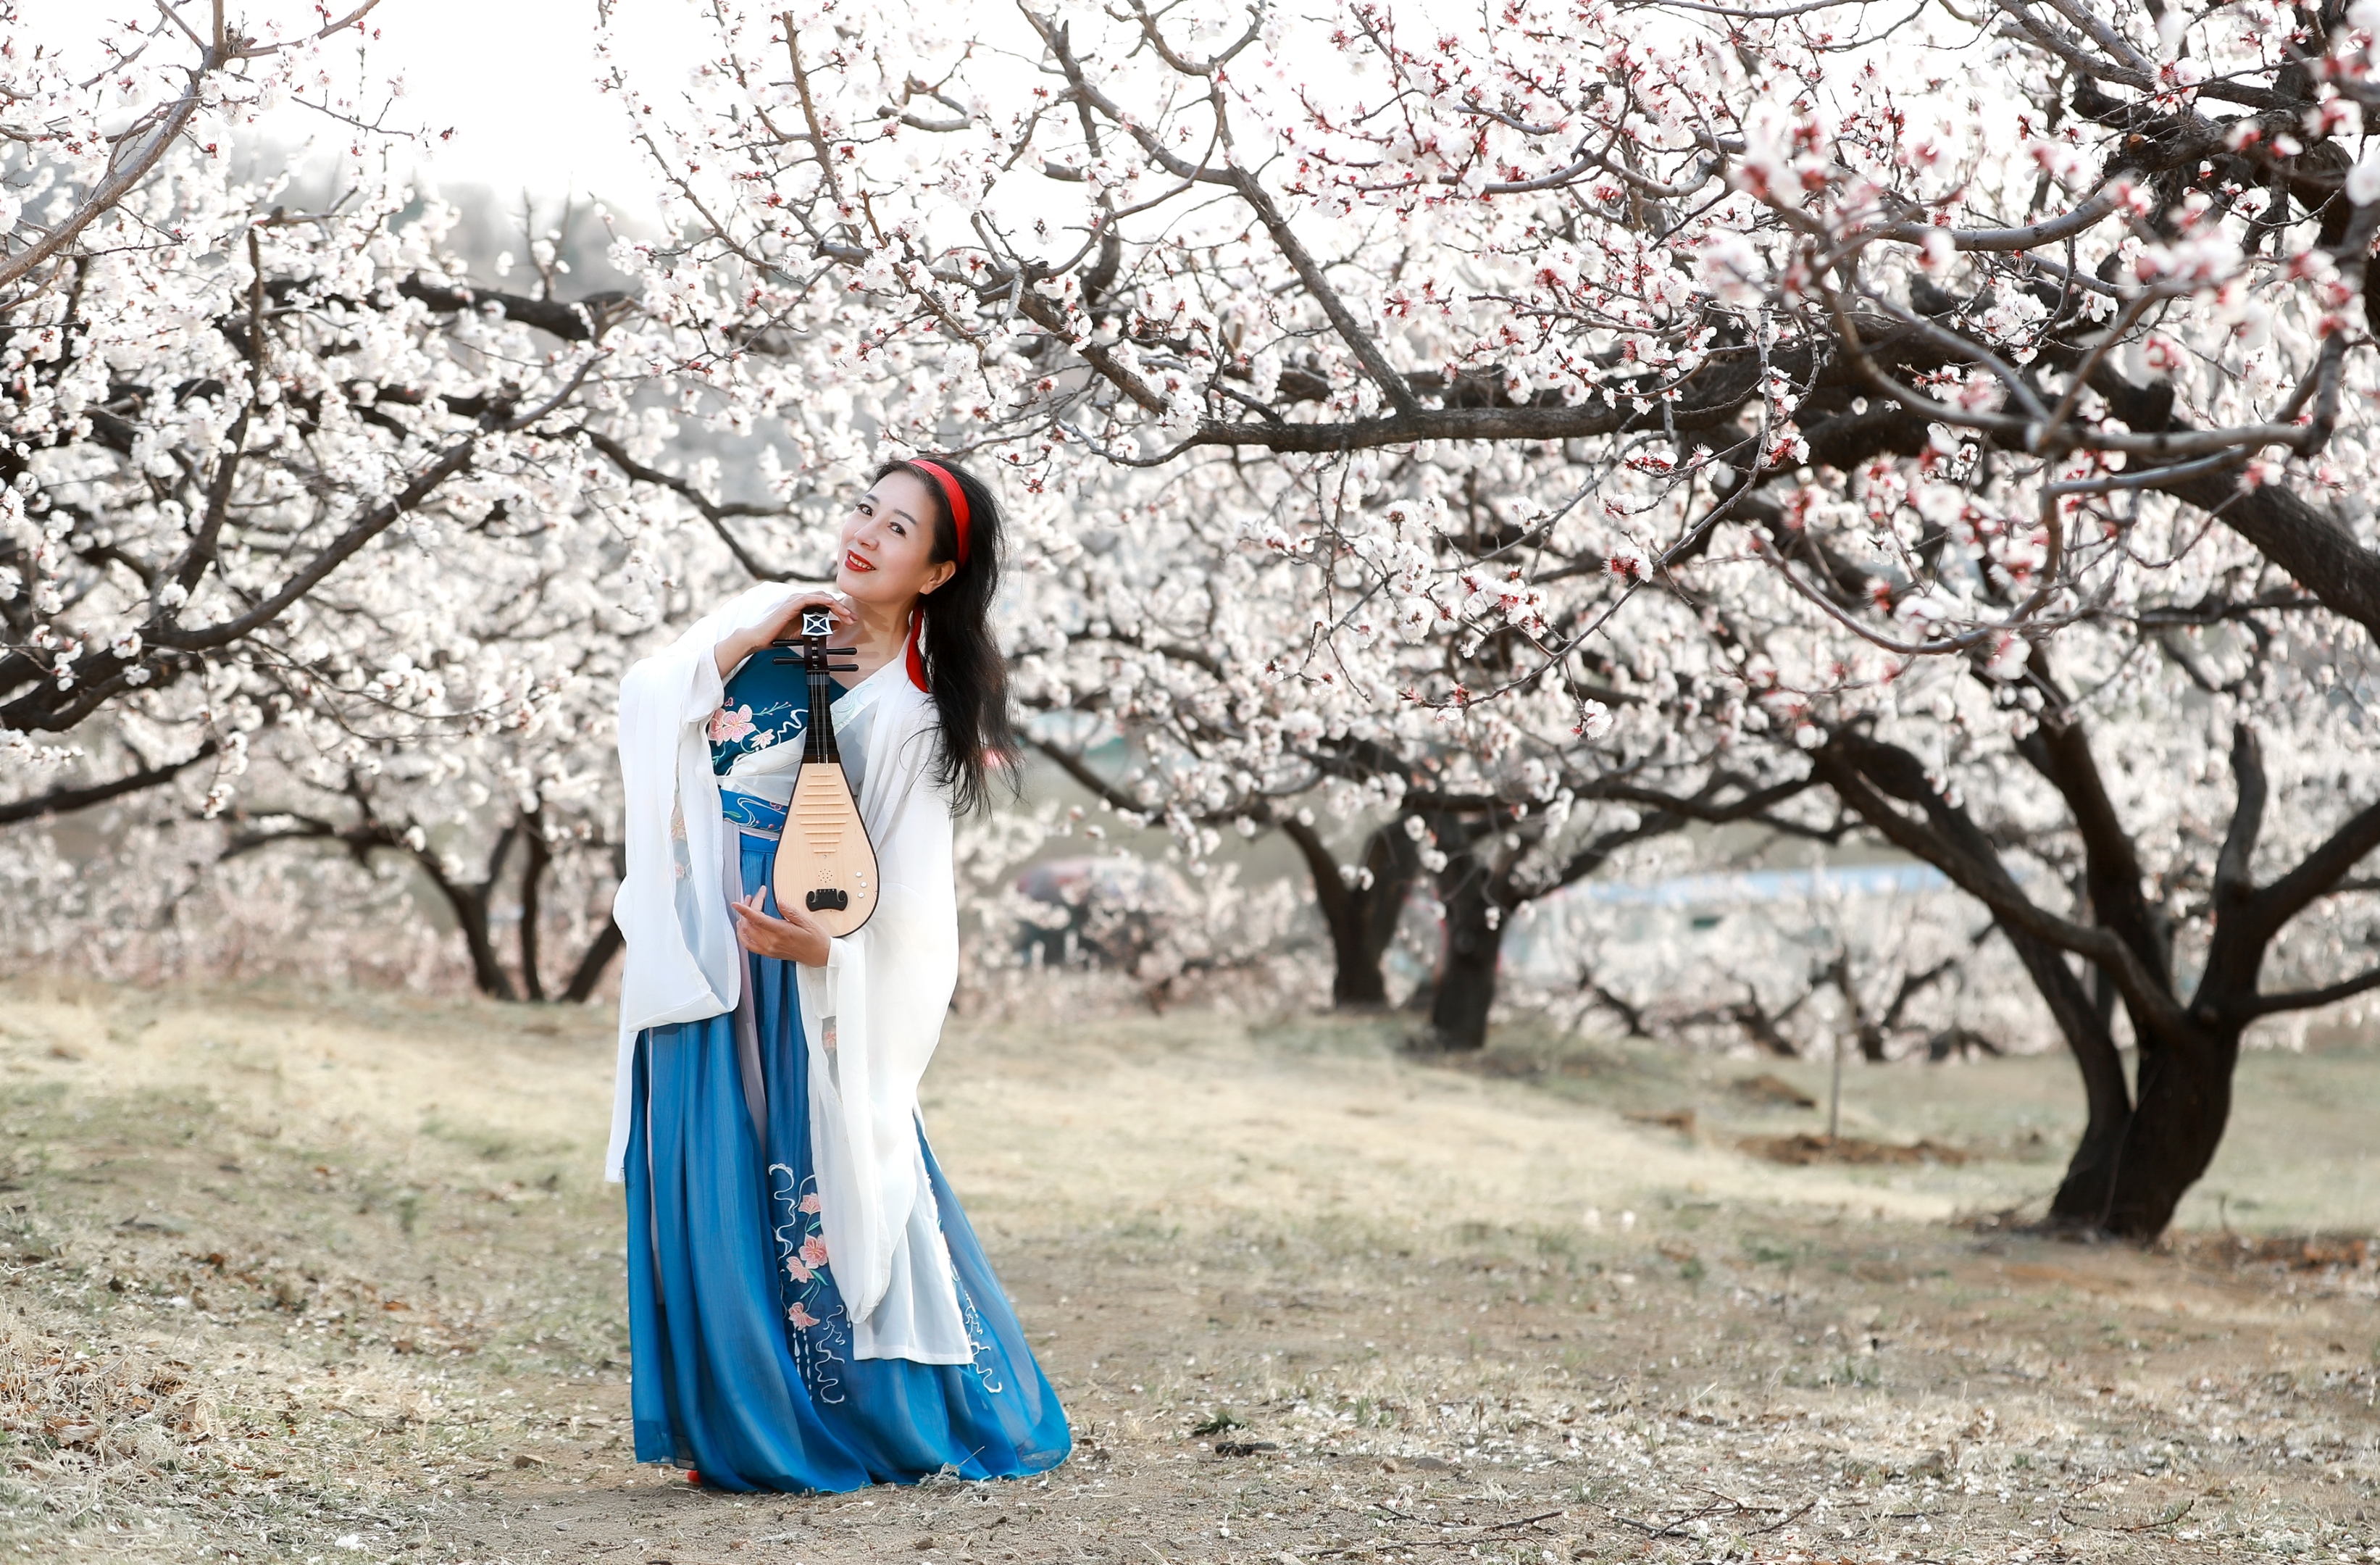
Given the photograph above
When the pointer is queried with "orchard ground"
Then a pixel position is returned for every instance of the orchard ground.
(295, 1276)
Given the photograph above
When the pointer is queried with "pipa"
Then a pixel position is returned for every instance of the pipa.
(825, 863)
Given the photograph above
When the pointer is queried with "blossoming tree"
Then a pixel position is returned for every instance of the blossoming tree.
(1538, 432)
(1936, 407)
(1315, 632)
(299, 528)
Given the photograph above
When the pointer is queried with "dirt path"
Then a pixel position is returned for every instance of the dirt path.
(289, 1282)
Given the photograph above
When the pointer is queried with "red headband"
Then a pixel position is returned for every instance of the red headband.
(953, 496)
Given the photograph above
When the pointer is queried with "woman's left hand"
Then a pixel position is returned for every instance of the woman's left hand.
(742, 644)
(794, 938)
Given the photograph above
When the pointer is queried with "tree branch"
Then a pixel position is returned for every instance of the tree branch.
(714, 512)
(580, 320)
(2308, 1000)
(2233, 883)
(1856, 768)
(123, 178)
(2315, 875)
(64, 801)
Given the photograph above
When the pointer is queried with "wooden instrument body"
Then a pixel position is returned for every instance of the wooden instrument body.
(825, 848)
(825, 864)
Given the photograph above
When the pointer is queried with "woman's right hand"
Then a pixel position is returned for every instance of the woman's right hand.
(740, 645)
(796, 937)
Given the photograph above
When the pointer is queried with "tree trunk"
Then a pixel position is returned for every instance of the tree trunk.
(487, 968)
(1466, 988)
(1761, 1027)
(1475, 938)
(1361, 919)
(2140, 1152)
(2113, 891)
(2185, 1101)
(532, 884)
(2083, 1195)
(1356, 985)
(607, 944)
(471, 904)
(1392, 856)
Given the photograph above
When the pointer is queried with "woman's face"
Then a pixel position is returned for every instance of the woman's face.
(888, 544)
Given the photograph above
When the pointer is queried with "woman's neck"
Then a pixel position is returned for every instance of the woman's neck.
(878, 635)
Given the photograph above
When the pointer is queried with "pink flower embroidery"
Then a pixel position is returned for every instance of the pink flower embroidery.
(811, 1204)
(801, 1317)
(798, 1272)
(726, 727)
(814, 1251)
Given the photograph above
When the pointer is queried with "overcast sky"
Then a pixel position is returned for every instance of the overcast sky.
(514, 79)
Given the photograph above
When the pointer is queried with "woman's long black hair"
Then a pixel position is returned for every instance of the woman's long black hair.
(965, 672)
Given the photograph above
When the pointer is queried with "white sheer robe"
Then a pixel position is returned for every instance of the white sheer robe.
(872, 1014)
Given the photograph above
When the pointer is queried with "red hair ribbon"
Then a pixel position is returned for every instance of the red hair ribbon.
(955, 498)
(917, 658)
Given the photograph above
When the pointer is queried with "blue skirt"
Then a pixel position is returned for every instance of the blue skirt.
(741, 1348)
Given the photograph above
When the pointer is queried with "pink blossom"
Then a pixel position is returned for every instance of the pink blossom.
(811, 1204)
(798, 1272)
(726, 727)
(801, 1317)
(814, 1251)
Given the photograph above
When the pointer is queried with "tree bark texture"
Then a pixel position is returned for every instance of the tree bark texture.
(1361, 918)
(1465, 989)
(2083, 1195)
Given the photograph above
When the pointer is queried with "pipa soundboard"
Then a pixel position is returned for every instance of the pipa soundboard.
(825, 864)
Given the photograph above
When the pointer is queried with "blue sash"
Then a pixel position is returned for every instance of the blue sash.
(745, 809)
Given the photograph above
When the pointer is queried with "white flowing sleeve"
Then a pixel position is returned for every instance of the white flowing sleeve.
(873, 1015)
(681, 962)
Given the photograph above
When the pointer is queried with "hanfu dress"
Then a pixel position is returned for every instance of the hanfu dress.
(808, 1308)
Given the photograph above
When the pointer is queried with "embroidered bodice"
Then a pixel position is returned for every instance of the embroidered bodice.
(768, 704)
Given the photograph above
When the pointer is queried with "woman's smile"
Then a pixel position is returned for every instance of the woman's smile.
(852, 561)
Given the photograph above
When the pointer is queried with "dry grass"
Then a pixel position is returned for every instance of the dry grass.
(1804, 1147)
(295, 1279)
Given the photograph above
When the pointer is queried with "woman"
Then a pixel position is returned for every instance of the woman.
(808, 1306)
